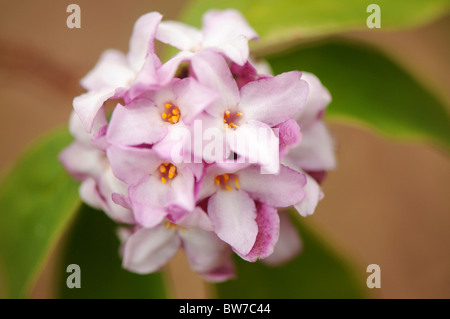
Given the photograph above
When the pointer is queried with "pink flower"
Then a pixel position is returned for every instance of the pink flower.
(157, 188)
(221, 201)
(149, 118)
(315, 153)
(146, 250)
(115, 72)
(258, 105)
(225, 32)
(89, 164)
(241, 203)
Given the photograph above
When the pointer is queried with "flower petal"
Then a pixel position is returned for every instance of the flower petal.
(196, 219)
(268, 232)
(148, 199)
(273, 100)
(212, 71)
(82, 161)
(313, 194)
(288, 245)
(318, 100)
(192, 98)
(145, 79)
(279, 190)
(90, 195)
(141, 41)
(147, 250)
(257, 143)
(229, 31)
(233, 214)
(108, 185)
(316, 150)
(112, 71)
(179, 35)
(131, 164)
(181, 192)
(205, 251)
(289, 135)
(138, 123)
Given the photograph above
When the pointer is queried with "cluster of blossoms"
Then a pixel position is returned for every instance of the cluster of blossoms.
(149, 170)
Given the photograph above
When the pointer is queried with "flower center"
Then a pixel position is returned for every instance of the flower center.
(170, 225)
(230, 118)
(167, 171)
(172, 113)
(225, 180)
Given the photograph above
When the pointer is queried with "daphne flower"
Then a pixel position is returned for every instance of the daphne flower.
(146, 250)
(157, 188)
(233, 194)
(89, 164)
(225, 32)
(258, 105)
(115, 72)
(315, 153)
(149, 118)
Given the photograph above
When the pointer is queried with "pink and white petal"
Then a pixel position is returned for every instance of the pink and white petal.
(289, 135)
(179, 35)
(268, 232)
(211, 70)
(318, 100)
(141, 41)
(192, 98)
(196, 219)
(148, 200)
(108, 185)
(289, 244)
(131, 164)
(169, 69)
(139, 123)
(204, 250)
(225, 272)
(147, 78)
(181, 192)
(275, 99)
(224, 26)
(89, 194)
(233, 215)
(207, 186)
(236, 49)
(88, 105)
(313, 194)
(78, 131)
(82, 161)
(279, 190)
(244, 73)
(112, 71)
(257, 143)
(147, 250)
(316, 150)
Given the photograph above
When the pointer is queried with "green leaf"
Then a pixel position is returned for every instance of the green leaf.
(37, 200)
(368, 88)
(94, 246)
(317, 272)
(286, 21)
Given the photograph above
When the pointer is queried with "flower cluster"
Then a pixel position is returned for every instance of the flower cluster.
(201, 150)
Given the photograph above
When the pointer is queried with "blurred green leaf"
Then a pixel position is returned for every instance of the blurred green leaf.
(94, 246)
(317, 272)
(368, 88)
(37, 200)
(287, 21)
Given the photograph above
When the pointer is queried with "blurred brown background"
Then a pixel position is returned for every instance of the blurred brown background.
(387, 203)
